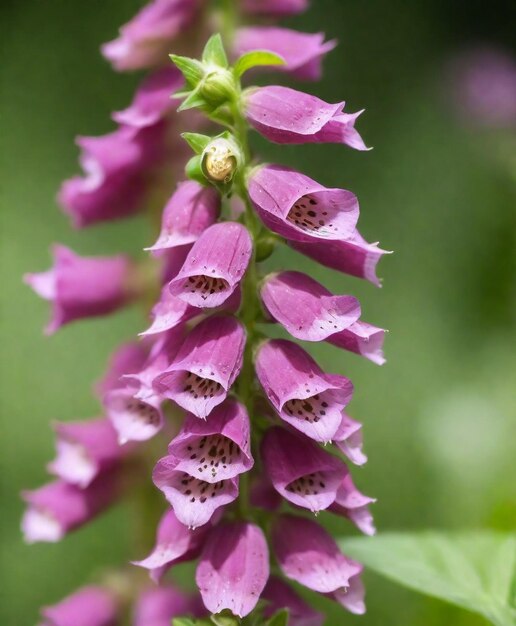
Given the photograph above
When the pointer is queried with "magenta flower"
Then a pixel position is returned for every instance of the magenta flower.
(214, 266)
(305, 308)
(58, 507)
(363, 339)
(233, 568)
(299, 208)
(353, 256)
(207, 364)
(189, 212)
(145, 41)
(354, 505)
(307, 554)
(352, 598)
(169, 312)
(152, 101)
(116, 171)
(348, 440)
(81, 287)
(157, 606)
(84, 450)
(302, 52)
(300, 470)
(193, 499)
(89, 606)
(175, 543)
(126, 359)
(275, 8)
(214, 449)
(301, 393)
(284, 115)
(279, 595)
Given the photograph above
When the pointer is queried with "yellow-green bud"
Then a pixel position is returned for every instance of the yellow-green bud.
(220, 160)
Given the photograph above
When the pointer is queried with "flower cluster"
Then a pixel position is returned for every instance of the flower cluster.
(256, 430)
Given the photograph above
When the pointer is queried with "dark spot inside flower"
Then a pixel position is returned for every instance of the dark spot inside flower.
(204, 286)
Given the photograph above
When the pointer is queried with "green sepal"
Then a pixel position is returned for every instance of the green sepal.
(214, 53)
(254, 59)
(193, 171)
(196, 141)
(225, 618)
(278, 619)
(194, 100)
(191, 69)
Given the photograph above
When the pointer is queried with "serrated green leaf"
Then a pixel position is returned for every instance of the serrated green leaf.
(191, 69)
(278, 619)
(214, 52)
(254, 59)
(196, 141)
(476, 571)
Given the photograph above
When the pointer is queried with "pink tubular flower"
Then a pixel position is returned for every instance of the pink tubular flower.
(84, 449)
(175, 543)
(308, 311)
(193, 499)
(58, 507)
(116, 171)
(299, 208)
(152, 101)
(287, 116)
(81, 287)
(169, 312)
(301, 393)
(145, 40)
(214, 449)
(89, 606)
(189, 212)
(208, 362)
(157, 606)
(279, 596)
(302, 52)
(352, 598)
(353, 256)
(300, 470)
(233, 568)
(275, 8)
(307, 554)
(214, 266)
(354, 505)
(126, 359)
(348, 440)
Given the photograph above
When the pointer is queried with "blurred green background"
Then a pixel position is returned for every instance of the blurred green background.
(439, 417)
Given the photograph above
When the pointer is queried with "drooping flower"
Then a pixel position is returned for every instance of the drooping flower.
(58, 507)
(363, 339)
(301, 393)
(175, 543)
(169, 312)
(280, 595)
(354, 505)
(305, 308)
(300, 470)
(189, 212)
(299, 208)
(214, 266)
(84, 449)
(302, 52)
(275, 8)
(352, 598)
(208, 362)
(348, 440)
(80, 287)
(145, 40)
(351, 256)
(157, 606)
(126, 359)
(307, 554)
(117, 171)
(88, 606)
(193, 499)
(233, 568)
(217, 448)
(288, 116)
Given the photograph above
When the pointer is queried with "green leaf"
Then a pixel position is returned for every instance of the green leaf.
(182, 621)
(476, 571)
(225, 618)
(214, 52)
(191, 69)
(193, 170)
(196, 141)
(278, 619)
(192, 101)
(254, 59)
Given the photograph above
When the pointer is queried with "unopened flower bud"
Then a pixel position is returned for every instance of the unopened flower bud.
(220, 160)
(218, 86)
